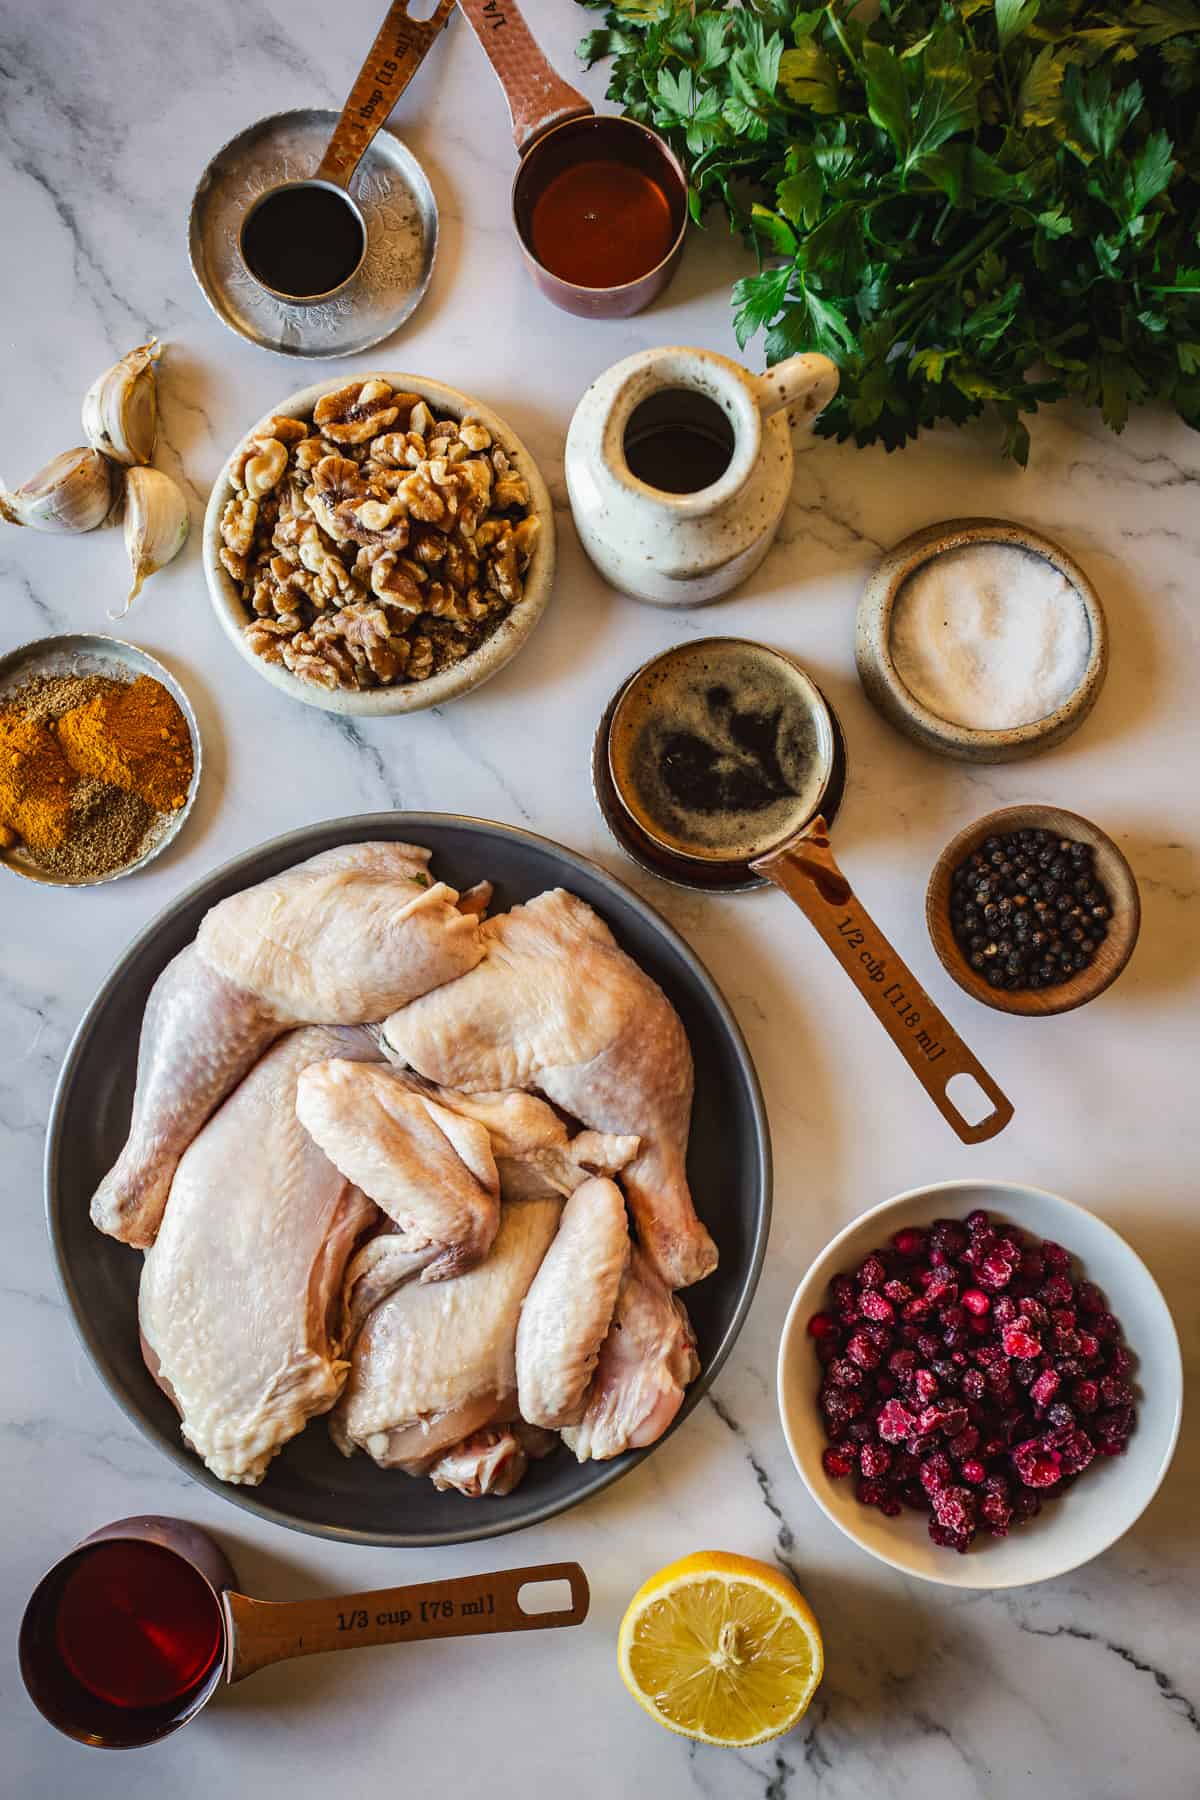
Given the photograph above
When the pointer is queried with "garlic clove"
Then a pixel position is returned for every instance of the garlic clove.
(156, 525)
(72, 493)
(120, 409)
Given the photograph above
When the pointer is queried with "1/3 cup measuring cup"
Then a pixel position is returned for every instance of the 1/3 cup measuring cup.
(135, 1630)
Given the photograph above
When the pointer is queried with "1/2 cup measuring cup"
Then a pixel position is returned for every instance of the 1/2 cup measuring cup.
(717, 766)
(134, 1631)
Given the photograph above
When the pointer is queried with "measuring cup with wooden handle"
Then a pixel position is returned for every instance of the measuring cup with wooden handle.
(229, 1634)
(400, 48)
(555, 130)
(805, 870)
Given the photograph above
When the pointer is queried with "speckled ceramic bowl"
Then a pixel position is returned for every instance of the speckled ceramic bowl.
(400, 697)
(888, 693)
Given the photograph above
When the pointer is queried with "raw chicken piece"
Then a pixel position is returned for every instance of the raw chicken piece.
(646, 1361)
(430, 1170)
(436, 1360)
(341, 939)
(534, 1154)
(557, 1005)
(569, 1306)
(240, 1295)
(490, 1462)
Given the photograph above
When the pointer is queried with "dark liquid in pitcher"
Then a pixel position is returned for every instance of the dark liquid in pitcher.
(303, 240)
(137, 1627)
(678, 441)
(717, 752)
(601, 223)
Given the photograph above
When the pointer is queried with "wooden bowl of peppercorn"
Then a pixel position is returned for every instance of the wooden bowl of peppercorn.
(1033, 910)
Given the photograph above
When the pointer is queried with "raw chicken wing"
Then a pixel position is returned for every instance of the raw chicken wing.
(646, 1361)
(557, 1005)
(569, 1306)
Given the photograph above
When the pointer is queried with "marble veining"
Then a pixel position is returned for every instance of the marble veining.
(1087, 1688)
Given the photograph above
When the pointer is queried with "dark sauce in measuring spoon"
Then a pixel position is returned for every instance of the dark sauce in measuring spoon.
(303, 241)
(601, 223)
(137, 1627)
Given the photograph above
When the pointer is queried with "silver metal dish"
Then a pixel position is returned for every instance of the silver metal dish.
(88, 653)
(393, 193)
(309, 1486)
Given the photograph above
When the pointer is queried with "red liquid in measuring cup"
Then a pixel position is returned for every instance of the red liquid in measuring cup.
(136, 1626)
(601, 223)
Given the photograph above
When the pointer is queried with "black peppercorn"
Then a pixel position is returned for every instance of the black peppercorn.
(1028, 910)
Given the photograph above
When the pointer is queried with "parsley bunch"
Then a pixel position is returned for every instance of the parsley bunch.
(968, 204)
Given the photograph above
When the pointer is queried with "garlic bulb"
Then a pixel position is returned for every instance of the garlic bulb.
(72, 493)
(156, 525)
(120, 409)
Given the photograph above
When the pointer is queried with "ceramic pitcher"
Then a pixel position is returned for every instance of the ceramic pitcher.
(684, 549)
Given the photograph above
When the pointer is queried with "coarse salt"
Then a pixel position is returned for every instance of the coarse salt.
(990, 636)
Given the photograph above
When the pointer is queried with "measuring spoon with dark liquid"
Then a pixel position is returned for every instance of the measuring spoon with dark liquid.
(305, 240)
(719, 765)
(131, 1634)
(599, 204)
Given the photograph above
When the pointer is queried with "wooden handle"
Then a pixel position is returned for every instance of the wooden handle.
(537, 96)
(806, 871)
(260, 1632)
(392, 61)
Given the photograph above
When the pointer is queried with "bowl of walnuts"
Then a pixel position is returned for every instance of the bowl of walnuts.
(379, 545)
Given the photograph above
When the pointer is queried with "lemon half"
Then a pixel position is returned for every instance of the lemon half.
(721, 1648)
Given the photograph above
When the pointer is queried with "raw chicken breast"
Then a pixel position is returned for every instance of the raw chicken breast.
(646, 1361)
(557, 1005)
(436, 1361)
(240, 1298)
(341, 939)
(430, 1170)
(569, 1306)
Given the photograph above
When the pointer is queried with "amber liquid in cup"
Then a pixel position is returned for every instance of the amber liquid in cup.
(601, 223)
(131, 1636)
(715, 751)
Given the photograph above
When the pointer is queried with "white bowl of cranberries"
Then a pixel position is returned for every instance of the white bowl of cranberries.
(980, 1384)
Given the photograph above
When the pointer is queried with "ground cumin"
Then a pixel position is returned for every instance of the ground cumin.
(133, 737)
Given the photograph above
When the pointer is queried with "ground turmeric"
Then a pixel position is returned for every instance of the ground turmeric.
(133, 736)
(35, 782)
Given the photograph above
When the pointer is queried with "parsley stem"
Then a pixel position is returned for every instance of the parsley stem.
(831, 14)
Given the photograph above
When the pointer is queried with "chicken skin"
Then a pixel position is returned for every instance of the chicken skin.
(342, 939)
(557, 1005)
(569, 1306)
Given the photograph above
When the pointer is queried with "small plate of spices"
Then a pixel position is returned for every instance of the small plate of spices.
(99, 759)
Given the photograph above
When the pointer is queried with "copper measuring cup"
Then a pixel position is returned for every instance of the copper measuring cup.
(802, 865)
(399, 49)
(555, 128)
(247, 1634)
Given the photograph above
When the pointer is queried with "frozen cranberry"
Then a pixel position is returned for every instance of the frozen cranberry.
(953, 1319)
(1060, 1417)
(997, 1269)
(1019, 1341)
(1034, 1311)
(1087, 1347)
(948, 1372)
(862, 1431)
(821, 1325)
(943, 1417)
(873, 1306)
(1106, 1327)
(863, 1350)
(1033, 1267)
(891, 1507)
(895, 1422)
(910, 1241)
(914, 1311)
(1056, 1290)
(955, 1507)
(874, 1459)
(936, 1472)
(844, 1296)
(841, 1403)
(1110, 1430)
(949, 1539)
(977, 1302)
(1085, 1396)
(1075, 1450)
(872, 1273)
(903, 1364)
(1088, 1298)
(1005, 1310)
(929, 1346)
(1025, 1373)
(871, 1493)
(996, 1514)
(837, 1463)
(943, 1289)
(1068, 1367)
(977, 1221)
(950, 1237)
(972, 1470)
(845, 1374)
(1120, 1361)
(897, 1292)
(964, 1444)
(925, 1385)
(1037, 1466)
(1025, 1505)
(972, 1384)
(1055, 1256)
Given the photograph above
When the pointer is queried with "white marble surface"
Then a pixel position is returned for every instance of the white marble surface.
(1087, 1688)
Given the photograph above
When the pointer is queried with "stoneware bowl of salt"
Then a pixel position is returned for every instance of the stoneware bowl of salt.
(981, 640)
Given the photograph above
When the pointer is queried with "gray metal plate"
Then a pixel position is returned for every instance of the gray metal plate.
(309, 1486)
(402, 227)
